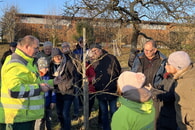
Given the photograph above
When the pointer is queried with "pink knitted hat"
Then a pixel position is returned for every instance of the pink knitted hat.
(179, 60)
(130, 80)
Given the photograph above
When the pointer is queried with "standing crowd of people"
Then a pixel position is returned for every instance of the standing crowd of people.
(157, 93)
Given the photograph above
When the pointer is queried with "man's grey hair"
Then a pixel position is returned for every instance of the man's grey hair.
(28, 39)
(153, 43)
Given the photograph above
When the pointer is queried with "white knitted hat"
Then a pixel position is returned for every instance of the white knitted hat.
(42, 63)
(179, 60)
(130, 80)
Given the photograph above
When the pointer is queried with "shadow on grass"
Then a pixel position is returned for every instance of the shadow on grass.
(78, 124)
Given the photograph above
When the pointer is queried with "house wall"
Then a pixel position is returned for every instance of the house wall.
(64, 28)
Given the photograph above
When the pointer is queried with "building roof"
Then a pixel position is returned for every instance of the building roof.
(85, 18)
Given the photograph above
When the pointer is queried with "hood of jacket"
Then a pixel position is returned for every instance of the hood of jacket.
(182, 72)
(145, 107)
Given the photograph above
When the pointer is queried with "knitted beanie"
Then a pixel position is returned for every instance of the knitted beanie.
(179, 60)
(130, 80)
(131, 85)
(42, 63)
(13, 44)
(47, 43)
(55, 51)
(95, 45)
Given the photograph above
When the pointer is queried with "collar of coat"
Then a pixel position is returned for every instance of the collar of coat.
(180, 73)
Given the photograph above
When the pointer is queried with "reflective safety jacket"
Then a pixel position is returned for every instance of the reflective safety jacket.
(21, 97)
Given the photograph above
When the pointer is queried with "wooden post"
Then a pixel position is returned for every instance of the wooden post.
(85, 85)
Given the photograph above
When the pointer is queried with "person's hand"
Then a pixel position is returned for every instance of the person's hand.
(57, 80)
(56, 74)
(149, 87)
(45, 87)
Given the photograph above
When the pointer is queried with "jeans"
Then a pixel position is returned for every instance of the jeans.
(77, 103)
(63, 104)
(105, 117)
(76, 106)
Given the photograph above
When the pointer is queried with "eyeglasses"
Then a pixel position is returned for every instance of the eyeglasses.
(148, 50)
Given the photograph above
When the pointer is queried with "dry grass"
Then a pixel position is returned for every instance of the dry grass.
(3, 48)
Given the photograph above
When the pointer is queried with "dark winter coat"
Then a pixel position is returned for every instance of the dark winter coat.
(164, 98)
(68, 71)
(7, 53)
(107, 69)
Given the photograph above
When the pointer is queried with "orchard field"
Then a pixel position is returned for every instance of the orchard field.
(123, 59)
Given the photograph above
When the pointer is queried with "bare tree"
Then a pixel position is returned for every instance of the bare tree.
(180, 36)
(9, 23)
(52, 26)
(133, 12)
(130, 13)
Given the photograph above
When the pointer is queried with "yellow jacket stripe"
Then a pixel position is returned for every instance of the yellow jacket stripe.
(16, 106)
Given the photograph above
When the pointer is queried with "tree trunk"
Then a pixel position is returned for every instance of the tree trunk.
(135, 35)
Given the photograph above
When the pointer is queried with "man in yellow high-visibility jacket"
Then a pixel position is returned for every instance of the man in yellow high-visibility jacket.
(22, 91)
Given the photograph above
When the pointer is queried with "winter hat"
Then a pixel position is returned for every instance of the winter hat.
(130, 80)
(13, 44)
(179, 60)
(95, 45)
(65, 44)
(138, 95)
(47, 43)
(55, 51)
(80, 39)
(42, 63)
(131, 85)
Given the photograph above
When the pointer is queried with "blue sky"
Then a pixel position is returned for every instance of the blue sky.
(35, 6)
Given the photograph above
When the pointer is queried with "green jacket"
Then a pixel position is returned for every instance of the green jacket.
(21, 97)
(133, 116)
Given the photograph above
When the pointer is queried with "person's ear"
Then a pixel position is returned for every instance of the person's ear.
(155, 50)
(27, 46)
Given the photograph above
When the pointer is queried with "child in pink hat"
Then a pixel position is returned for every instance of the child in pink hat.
(136, 110)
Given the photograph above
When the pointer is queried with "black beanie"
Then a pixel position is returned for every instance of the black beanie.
(95, 45)
(55, 51)
(13, 44)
